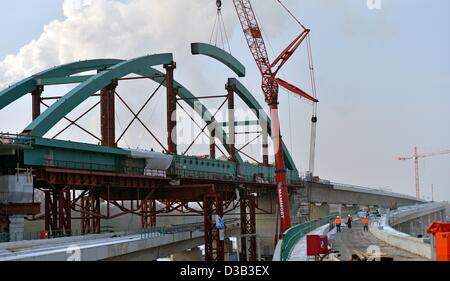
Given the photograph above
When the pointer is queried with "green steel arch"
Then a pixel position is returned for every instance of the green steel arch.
(139, 66)
(241, 91)
(41, 125)
(220, 55)
(30, 84)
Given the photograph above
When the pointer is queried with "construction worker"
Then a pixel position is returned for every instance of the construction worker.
(365, 222)
(338, 224)
(349, 221)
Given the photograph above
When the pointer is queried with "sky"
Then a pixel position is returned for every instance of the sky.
(383, 74)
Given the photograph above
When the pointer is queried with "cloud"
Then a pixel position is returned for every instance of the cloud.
(111, 28)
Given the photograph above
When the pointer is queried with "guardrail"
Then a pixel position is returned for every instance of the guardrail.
(394, 217)
(374, 190)
(146, 233)
(293, 235)
(223, 176)
(15, 139)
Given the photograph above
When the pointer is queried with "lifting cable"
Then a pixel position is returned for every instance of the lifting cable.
(291, 14)
(219, 30)
(312, 73)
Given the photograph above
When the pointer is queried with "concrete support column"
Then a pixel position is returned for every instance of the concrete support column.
(16, 228)
(36, 101)
(171, 109)
(349, 210)
(266, 223)
(318, 210)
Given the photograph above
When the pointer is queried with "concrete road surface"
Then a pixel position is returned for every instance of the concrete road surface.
(355, 239)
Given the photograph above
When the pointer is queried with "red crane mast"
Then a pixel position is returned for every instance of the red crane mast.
(416, 157)
(270, 86)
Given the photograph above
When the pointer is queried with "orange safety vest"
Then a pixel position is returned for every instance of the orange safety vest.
(365, 220)
(338, 221)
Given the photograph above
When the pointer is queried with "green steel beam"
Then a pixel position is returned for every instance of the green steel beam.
(79, 146)
(41, 125)
(243, 93)
(253, 104)
(220, 55)
(18, 90)
(63, 80)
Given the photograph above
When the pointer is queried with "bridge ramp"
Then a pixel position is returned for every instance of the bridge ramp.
(355, 239)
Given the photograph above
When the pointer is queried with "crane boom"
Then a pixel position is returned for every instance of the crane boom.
(416, 157)
(270, 86)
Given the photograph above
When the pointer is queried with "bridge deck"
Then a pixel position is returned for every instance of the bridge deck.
(355, 239)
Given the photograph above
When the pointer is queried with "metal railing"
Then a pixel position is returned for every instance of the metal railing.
(145, 233)
(375, 190)
(90, 166)
(15, 139)
(293, 235)
(223, 176)
(394, 216)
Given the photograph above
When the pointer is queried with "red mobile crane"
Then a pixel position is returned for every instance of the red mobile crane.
(270, 85)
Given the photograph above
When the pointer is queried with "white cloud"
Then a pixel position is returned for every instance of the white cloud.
(111, 28)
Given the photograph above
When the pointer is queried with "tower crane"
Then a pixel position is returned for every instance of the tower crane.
(270, 85)
(416, 157)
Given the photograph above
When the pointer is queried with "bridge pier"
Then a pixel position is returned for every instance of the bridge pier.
(318, 210)
(348, 210)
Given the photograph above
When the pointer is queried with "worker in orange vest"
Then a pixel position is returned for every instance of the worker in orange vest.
(338, 224)
(365, 222)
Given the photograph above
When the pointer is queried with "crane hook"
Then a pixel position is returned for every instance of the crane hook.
(219, 4)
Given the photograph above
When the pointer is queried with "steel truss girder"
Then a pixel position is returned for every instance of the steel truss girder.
(90, 213)
(248, 227)
(58, 212)
(214, 247)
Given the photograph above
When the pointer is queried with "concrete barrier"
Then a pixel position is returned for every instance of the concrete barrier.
(408, 243)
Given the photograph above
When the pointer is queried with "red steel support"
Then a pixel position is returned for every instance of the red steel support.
(231, 120)
(90, 213)
(212, 144)
(107, 111)
(36, 101)
(248, 228)
(58, 212)
(214, 247)
(265, 142)
(148, 213)
(171, 109)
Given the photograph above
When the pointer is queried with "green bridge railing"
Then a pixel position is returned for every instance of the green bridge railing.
(293, 235)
